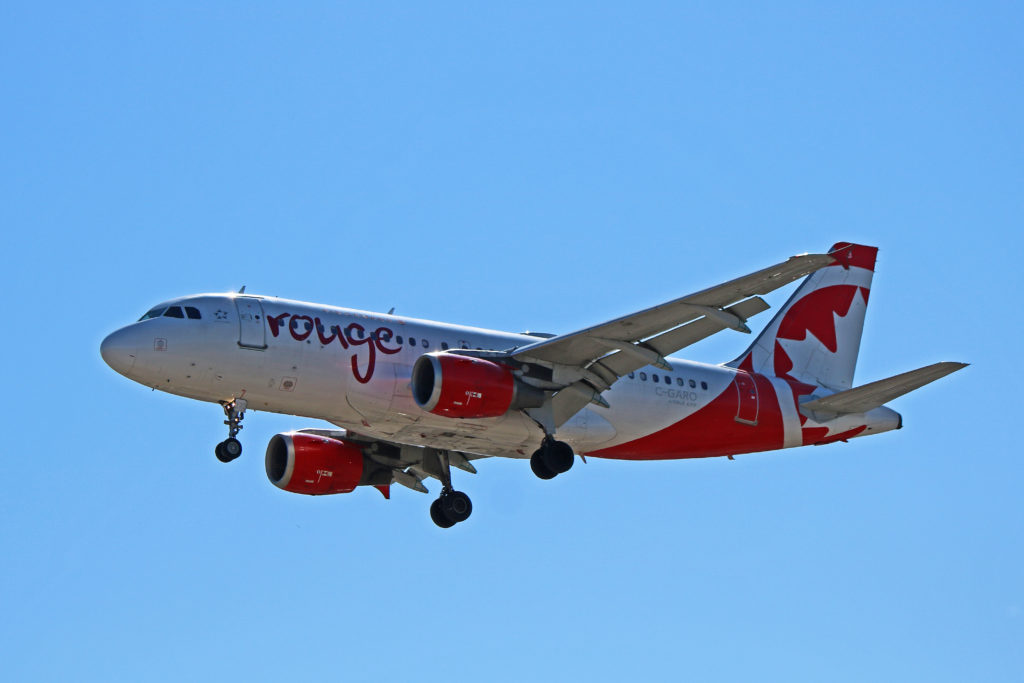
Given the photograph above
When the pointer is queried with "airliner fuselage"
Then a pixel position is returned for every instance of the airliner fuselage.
(354, 368)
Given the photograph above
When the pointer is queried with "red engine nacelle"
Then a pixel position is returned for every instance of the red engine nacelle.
(465, 387)
(314, 465)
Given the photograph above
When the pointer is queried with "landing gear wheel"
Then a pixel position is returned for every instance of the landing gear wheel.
(228, 450)
(538, 466)
(437, 514)
(452, 506)
(231, 448)
(456, 506)
(558, 456)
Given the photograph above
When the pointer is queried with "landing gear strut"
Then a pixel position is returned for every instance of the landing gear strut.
(452, 506)
(231, 448)
(552, 458)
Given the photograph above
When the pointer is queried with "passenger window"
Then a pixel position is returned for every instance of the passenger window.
(425, 343)
(693, 384)
(668, 380)
(398, 339)
(679, 381)
(412, 341)
(174, 312)
(632, 375)
(154, 313)
(444, 346)
(654, 378)
(192, 312)
(704, 385)
(643, 376)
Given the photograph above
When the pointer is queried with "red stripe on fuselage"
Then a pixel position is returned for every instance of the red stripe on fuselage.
(711, 431)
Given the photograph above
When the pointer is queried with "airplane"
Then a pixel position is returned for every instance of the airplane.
(412, 399)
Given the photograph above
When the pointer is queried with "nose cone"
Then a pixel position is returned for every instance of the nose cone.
(119, 351)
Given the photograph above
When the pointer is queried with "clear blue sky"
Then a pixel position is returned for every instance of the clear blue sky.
(531, 167)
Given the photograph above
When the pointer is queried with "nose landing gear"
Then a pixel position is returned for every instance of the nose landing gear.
(231, 448)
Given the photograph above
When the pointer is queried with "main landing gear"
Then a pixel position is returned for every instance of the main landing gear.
(231, 448)
(552, 458)
(452, 506)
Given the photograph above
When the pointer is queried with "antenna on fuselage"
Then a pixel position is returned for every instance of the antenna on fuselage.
(392, 311)
(242, 290)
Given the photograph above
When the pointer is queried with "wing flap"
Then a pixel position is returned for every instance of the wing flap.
(874, 394)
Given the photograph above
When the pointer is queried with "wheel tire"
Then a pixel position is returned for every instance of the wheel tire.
(558, 457)
(437, 514)
(456, 506)
(538, 466)
(232, 448)
(221, 455)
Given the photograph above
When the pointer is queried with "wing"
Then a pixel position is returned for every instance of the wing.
(584, 364)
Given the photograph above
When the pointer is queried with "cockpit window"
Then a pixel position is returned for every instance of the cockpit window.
(192, 312)
(174, 312)
(154, 313)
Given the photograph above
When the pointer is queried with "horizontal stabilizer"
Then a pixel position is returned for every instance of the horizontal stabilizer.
(875, 394)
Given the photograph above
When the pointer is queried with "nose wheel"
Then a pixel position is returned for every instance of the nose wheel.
(552, 458)
(228, 450)
(231, 448)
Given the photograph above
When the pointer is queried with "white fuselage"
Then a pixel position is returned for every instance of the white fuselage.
(353, 369)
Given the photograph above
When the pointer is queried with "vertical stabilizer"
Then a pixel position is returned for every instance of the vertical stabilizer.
(815, 338)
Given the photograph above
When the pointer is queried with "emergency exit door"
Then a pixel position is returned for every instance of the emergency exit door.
(252, 330)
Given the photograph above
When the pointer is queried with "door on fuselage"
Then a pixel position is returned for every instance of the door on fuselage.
(746, 406)
(252, 329)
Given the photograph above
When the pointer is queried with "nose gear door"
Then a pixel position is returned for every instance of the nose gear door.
(252, 330)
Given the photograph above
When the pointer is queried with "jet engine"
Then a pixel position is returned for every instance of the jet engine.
(459, 386)
(314, 465)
